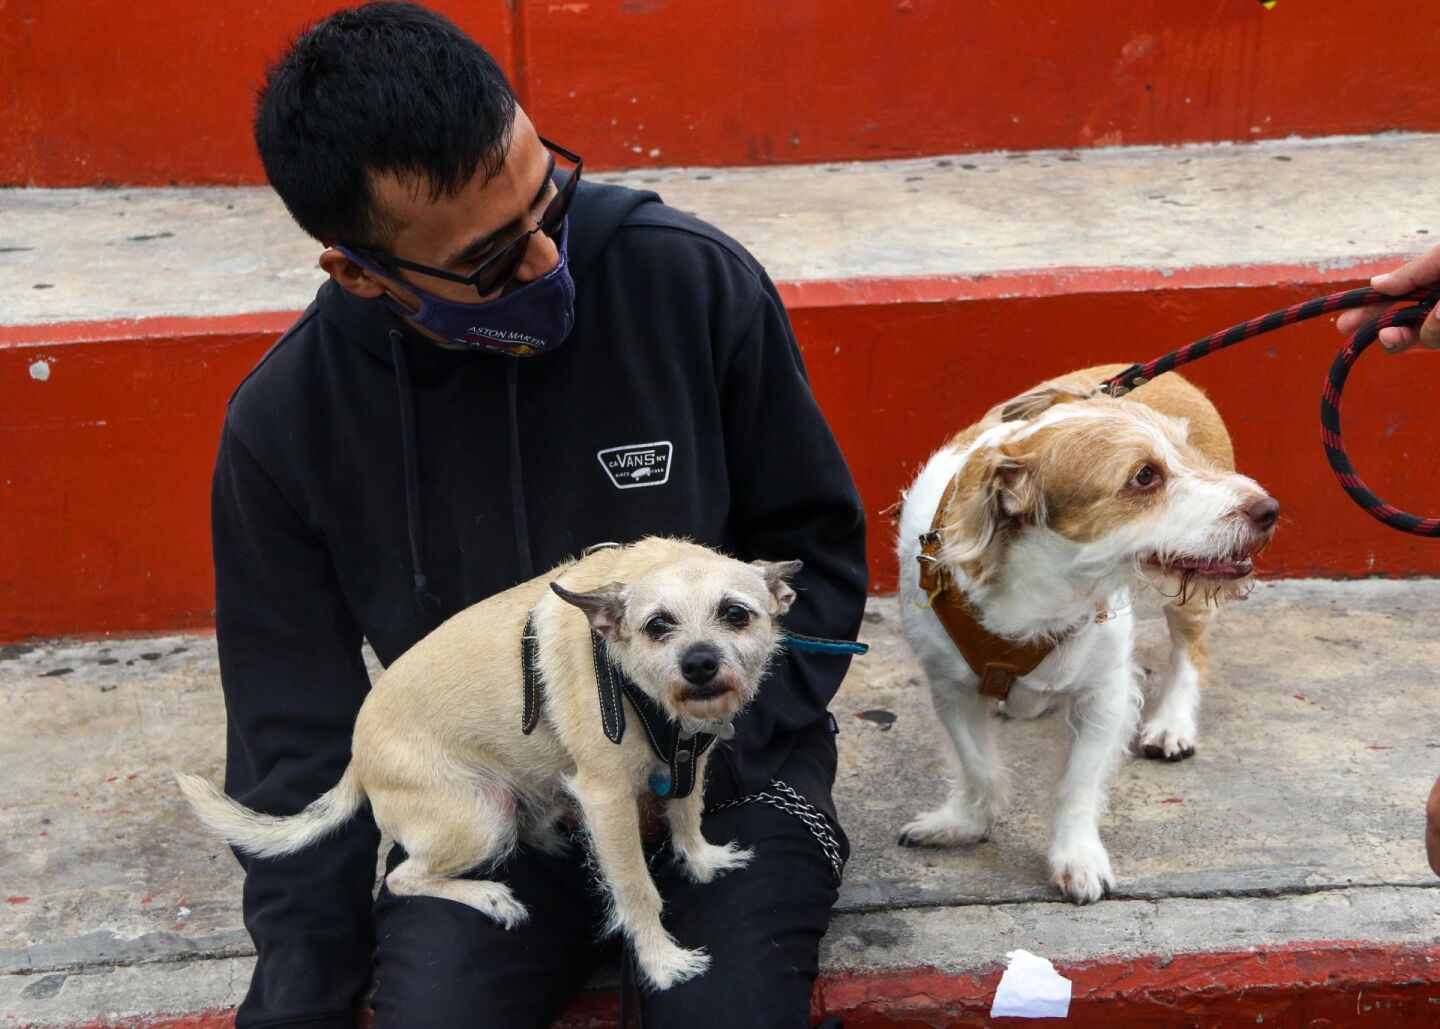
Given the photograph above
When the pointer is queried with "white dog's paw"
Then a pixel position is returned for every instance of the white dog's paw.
(1082, 873)
(709, 861)
(491, 898)
(1168, 738)
(668, 964)
(944, 827)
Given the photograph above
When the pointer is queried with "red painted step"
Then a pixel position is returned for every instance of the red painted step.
(106, 468)
(1314, 986)
(921, 292)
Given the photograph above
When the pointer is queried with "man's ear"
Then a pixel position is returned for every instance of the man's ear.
(777, 579)
(349, 276)
(604, 606)
(1039, 400)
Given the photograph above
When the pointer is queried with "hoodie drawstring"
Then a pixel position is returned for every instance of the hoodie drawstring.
(428, 603)
(517, 483)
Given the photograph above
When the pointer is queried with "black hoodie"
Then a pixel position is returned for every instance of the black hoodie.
(371, 484)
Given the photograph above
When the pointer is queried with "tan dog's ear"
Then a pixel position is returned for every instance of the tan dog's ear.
(777, 579)
(604, 606)
(996, 489)
(1039, 400)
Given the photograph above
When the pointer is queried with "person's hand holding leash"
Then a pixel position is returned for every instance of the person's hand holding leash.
(1416, 274)
(1432, 828)
(1422, 271)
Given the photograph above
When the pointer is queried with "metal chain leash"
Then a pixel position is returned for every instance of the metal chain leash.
(780, 795)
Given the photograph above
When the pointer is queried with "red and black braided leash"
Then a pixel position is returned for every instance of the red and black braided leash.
(1422, 301)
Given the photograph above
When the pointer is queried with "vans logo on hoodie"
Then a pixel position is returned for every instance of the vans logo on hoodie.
(639, 464)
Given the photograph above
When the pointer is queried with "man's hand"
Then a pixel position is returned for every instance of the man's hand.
(1432, 828)
(1422, 272)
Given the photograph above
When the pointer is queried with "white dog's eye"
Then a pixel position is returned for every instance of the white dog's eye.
(658, 627)
(1146, 478)
(736, 616)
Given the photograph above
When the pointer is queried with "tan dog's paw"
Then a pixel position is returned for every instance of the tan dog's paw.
(490, 898)
(668, 964)
(1082, 874)
(710, 861)
(943, 827)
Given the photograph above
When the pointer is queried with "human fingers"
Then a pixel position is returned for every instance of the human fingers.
(1397, 339)
(1432, 828)
(1430, 330)
(1413, 274)
(1351, 320)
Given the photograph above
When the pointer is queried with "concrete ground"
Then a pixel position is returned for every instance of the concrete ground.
(96, 255)
(1299, 821)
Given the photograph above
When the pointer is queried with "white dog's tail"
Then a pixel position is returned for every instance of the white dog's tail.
(271, 835)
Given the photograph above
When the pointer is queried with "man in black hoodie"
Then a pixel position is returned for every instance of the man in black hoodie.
(420, 439)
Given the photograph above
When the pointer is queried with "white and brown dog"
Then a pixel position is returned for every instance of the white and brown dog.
(458, 765)
(1036, 523)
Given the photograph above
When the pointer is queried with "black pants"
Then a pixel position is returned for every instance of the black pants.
(439, 964)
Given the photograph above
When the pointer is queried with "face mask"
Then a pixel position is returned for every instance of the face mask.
(532, 320)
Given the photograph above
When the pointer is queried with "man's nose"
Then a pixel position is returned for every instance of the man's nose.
(541, 256)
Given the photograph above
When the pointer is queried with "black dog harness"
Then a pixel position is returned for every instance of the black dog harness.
(679, 751)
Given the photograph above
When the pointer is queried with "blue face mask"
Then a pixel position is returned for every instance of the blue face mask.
(532, 320)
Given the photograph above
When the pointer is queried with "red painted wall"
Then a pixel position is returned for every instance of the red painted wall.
(114, 92)
(105, 465)
(104, 91)
(105, 470)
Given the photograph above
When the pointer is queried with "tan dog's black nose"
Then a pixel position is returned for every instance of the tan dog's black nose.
(699, 664)
(1263, 512)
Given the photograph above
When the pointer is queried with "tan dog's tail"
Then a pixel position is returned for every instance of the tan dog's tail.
(271, 835)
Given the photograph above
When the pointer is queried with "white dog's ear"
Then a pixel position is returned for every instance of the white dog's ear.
(777, 579)
(1039, 400)
(604, 606)
(996, 489)
(1015, 489)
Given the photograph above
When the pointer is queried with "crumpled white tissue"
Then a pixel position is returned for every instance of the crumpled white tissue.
(1031, 988)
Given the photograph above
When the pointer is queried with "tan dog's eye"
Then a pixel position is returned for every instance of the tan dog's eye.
(658, 627)
(736, 616)
(1146, 478)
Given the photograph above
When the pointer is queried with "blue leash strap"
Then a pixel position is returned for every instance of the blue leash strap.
(816, 645)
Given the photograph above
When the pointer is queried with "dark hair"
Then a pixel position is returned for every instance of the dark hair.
(387, 87)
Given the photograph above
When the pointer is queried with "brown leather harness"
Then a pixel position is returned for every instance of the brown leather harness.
(996, 660)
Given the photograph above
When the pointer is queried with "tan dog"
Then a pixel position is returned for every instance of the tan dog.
(440, 752)
(1052, 509)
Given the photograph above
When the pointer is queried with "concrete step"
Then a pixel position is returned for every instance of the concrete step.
(76, 255)
(921, 291)
(1278, 873)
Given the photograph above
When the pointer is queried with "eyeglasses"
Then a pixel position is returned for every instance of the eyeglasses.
(498, 270)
